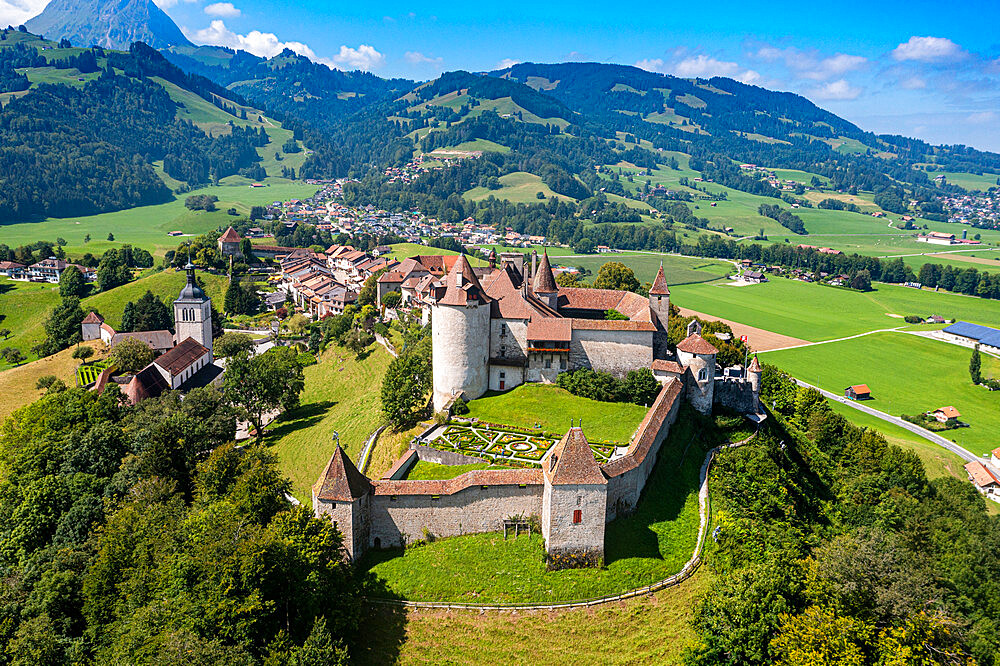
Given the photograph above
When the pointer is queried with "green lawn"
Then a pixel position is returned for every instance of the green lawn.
(969, 181)
(402, 251)
(817, 312)
(24, 306)
(165, 284)
(907, 375)
(341, 395)
(552, 408)
(424, 470)
(147, 226)
(649, 545)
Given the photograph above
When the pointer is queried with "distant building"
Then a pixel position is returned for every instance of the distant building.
(984, 479)
(946, 414)
(971, 334)
(858, 392)
(229, 244)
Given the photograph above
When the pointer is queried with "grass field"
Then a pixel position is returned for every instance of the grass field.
(649, 630)
(552, 408)
(341, 395)
(147, 226)
(427, 471)
(166, 285)
(402, 251)
(17, 385)
(24, 306)
(677, 269)
(816, 312)
(518, 187)
(649, 545)
(969, 181)
(907, 374)
(937, 461)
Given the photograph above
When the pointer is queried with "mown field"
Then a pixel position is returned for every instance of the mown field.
(816, 312)
(677, 269)
(649, 630)
(552, 408)
(907, 374)
(147, 226)
(402, 251)
(17, 385)
(518, 187)
(649, 545)
(341, 395)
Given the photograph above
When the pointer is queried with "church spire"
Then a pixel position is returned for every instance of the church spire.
(660, 283)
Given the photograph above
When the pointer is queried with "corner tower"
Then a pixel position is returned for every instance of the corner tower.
(544, 285)
(460, 336)
(698, 355)
(659, 305)
(193, 313)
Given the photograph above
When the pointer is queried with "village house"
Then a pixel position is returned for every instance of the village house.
(858, 392)
(947, 415)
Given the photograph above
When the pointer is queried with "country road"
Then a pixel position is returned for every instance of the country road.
(962, 453)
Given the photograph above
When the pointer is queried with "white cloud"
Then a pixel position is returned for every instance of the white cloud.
(418, 58)
(225, 9)
(927, 49)
(700, 66)
(983, 117)
(507, 62)
(16, 12)
(267, 45)
(364, 57)
(811, 65)
(913, 83)
(836, 90)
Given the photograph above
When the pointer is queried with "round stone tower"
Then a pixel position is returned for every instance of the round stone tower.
(698, 355)
(460, 331)
(754, 373)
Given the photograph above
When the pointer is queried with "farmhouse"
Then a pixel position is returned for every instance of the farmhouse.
(972, 334)
(937, 238)
(858, 392)
(946, 414)
(984, 479)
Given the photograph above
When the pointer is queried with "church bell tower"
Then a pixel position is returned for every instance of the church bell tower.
(193, 313)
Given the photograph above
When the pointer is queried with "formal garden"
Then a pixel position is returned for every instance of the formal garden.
(506, 445)
(88, 373)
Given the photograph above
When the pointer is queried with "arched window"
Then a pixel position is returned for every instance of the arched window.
(702, 375)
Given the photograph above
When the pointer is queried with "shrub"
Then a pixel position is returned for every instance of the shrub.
(913, 319)
(45, 381)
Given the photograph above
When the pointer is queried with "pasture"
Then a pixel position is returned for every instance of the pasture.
(17, 385)
(24, 306)
(341, 395)
(147, 226)
(517, 187)
(677, 269)
(816, 312)
(907, 374)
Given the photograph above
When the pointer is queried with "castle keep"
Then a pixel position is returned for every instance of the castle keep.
(496, 329)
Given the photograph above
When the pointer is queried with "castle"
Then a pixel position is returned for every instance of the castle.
(498, 328)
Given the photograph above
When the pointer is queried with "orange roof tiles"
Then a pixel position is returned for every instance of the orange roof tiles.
(981, 474)
(341, 481)
(659, 287)
(695, 344)
(571, 462)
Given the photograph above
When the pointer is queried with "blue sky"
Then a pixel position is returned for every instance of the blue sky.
(919, 68)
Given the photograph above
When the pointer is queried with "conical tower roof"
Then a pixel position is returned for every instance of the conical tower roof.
(544, 282)
(695, 344)
(462, 286)
(659, 287)
(341, 481)
(574, 461)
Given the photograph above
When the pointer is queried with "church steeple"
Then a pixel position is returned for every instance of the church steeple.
(193, 312)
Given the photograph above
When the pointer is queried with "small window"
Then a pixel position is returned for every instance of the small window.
(702, 375)
(548, 363)
(503, 375)
(577, 517)
(562, 364)
(579, 499)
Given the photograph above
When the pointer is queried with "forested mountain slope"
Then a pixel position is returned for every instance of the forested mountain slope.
(83, 130)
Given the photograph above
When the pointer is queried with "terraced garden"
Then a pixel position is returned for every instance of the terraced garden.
(88, 374)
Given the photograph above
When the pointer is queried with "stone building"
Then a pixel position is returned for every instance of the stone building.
(229, 244)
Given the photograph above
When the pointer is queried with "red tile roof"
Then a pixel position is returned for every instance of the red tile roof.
(571, 462)
(180, 358)
(668, 366)
(341, 481)
(695, 344)
(148, 383)
(612, 325)
(544, 282)
(462, 286)
(949, 412)
(659, 287)
(93, 318)
(550, 328)
(754, 365)
(481, 477)
(860, 388)
(230, 236)
(981, 474)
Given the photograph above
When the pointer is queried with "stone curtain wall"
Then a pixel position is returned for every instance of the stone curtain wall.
(736, 395)
(432, 455)
(616, 352)
(400, 519)
(627, 475)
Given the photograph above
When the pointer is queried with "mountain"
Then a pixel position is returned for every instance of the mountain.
(112, 24)
(86, 131)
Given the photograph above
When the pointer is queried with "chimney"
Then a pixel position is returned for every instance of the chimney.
(534, 258)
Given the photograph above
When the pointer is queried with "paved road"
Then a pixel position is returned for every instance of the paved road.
(962, 453)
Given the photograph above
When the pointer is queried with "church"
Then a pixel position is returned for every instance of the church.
(185, 362)
(498, 328)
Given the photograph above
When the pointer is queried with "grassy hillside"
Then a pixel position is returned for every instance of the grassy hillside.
(341, 395)
(678, 270)
(147, 226)
(907, 375)
(518, 187)
(24, 306)
(17, 385)
(165, 285)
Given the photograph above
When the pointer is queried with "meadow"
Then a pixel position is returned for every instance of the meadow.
(17, 385)
(147, 226)
(677, 269)
(817, 312)
(907, 374)
(341, 395)
(517, 187)
(552, 408)
(650, 544)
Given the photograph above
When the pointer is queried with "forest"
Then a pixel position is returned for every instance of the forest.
(833, 546)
